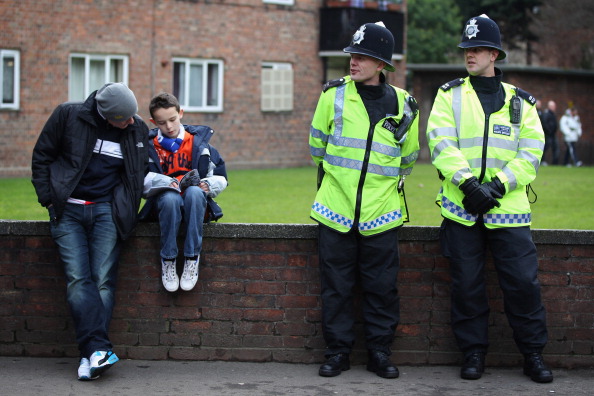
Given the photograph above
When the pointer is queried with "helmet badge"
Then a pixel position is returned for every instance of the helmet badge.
(359, 35)
(471, 29)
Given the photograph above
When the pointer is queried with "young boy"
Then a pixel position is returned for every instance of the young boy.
(174, 150)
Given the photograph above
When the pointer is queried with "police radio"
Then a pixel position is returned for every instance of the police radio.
(515, 110)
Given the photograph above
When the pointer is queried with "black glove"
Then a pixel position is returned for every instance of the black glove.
(479, 198)
(496, 187)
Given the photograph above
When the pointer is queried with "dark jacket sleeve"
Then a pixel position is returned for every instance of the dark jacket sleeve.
(46, 152)
(127, 195)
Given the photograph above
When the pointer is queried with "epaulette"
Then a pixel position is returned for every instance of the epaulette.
(452, 84)
(333, 83)
(526, 96)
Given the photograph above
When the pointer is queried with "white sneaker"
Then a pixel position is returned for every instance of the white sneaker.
(190, 274)
(84, 370)
(169, 275)
(101, 361)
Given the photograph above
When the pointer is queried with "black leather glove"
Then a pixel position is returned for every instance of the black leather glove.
(479, 198)
(496, 187)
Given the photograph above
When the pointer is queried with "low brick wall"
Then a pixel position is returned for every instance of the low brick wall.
(258, 299)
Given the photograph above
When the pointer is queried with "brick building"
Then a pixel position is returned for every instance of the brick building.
(250, 69)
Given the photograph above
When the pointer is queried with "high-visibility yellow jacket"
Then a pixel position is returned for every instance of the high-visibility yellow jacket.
(362, 163)
(464, 142)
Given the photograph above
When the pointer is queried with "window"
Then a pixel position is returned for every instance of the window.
(277, 87)
(9, 78)
(89, 72)
(281, 2)
(198, 84)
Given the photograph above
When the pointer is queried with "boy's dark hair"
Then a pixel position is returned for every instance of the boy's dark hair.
(163, 101)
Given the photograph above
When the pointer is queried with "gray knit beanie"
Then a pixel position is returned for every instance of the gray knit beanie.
(116, 102)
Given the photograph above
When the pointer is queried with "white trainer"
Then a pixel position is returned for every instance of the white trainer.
(169, 275)
(101, 361)
(190, 274)
(84, 370)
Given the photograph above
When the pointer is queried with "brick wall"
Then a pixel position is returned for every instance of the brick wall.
(258, 299)
(241, 33)
(561, 86)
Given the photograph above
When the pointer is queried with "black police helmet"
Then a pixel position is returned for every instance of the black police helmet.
(481, 31)
(375, 40)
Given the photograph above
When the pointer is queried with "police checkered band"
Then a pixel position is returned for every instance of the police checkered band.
(493, 218)
(501, 218)
(332, 216)
(380, 221)
(457, 210)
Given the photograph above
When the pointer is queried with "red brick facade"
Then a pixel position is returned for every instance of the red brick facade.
(241, 33)
(257, 299)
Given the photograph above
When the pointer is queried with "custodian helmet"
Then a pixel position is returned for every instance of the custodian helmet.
(481, 31)
(375, 40)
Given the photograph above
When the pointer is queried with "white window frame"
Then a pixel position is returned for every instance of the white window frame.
(277, 87)
(16, 78)
(88, 58)
(280, 2)
(205, 63)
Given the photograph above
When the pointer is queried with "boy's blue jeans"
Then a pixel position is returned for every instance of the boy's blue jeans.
(173, 208)
(89, 247)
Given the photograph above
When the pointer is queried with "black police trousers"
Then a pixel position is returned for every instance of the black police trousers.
(514, 257)
(344, 258)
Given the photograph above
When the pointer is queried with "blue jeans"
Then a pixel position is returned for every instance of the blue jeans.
(89, 247)
(173, 208)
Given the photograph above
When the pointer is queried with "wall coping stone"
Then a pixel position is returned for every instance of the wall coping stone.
(299, 231)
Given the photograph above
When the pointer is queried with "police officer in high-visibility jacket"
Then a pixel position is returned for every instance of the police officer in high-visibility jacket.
(486, 141)
(364, 139)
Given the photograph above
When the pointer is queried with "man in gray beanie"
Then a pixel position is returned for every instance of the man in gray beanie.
(88, 169)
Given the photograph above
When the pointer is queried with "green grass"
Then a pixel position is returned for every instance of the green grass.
(565, 197)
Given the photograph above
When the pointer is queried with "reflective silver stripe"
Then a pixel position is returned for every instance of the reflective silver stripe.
(457, 178)
(381, 221)
(411, 158)
(332, 216)
(531, 143)
(511, 179)
(457, 106)
(489, 218)
(477, 141)
(338, 109)
(343, 162)
(358, 165)
(317, 151)
(445, 131)
(442, 145)
(491, 163)
(316, 133)
(383, 170)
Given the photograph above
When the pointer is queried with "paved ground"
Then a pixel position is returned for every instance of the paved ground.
(57, 376)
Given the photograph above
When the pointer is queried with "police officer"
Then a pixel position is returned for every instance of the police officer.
(364, 138)
(486, 141)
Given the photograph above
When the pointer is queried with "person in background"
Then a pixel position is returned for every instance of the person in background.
(549, 124)
(364, 139)
(571, 127)
(486, 142)
(182, 153)
(88, 170)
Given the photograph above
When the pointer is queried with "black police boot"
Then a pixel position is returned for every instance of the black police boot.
(379, 363)
(474, 366)
(334, 365)
(535, 368)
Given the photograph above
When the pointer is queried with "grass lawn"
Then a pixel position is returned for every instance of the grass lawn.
(565, 197)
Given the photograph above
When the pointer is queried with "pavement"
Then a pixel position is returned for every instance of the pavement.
(57, 376)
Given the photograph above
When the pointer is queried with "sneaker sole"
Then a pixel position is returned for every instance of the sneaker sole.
(85, 378)
(97, 371)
